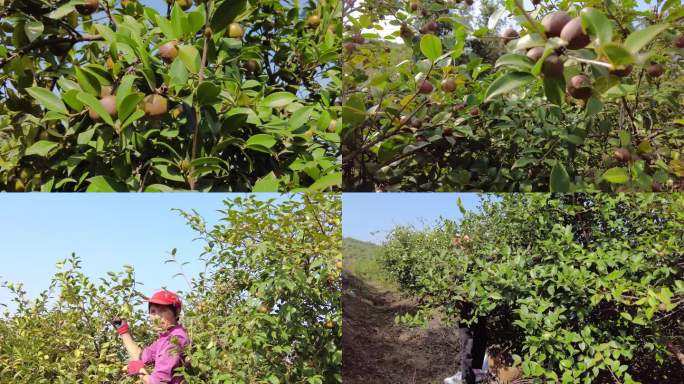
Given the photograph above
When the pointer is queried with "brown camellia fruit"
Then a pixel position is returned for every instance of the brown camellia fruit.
(536, 2)
(448, 85)
(414, 6)
(654, 70)
(88, 8)
(314, 21)
(553, 67)
(679, 41)
(622, 155)
(108, 103)
(169, 51)
(580, 87)
(574, 35)
(509, 34)
(252, 66)
(235, 30)
(431, 26)
(535, 53)
(554, 22)
(469, 2)
(622, 72)
(425, 87)
(155, 105)
(349, 47)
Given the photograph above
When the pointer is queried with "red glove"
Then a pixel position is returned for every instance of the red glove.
(120, 325)
(134, 367)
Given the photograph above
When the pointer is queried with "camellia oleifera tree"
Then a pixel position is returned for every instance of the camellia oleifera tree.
(214, 95)
(582, 288)
(266, 308)
(561, 96)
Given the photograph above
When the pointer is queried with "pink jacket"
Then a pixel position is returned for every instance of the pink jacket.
(166, 354)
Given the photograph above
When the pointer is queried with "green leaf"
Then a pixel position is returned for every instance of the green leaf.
(523, 162)
(431, 46)
(616, 175)
(278, 99)
(617, 55)
(190, 56)
(554, 89)
(268, 183)
(226, 13)
(597, 24)
(105, 184)
(41, 148)
(94, 103)
(47, 99)
(207, 93)
(167, 28)
(594, 106)
(124, 89)
(515, 60)
(354, 110)
(33, 30)
(559, 180)
(87, 81)
(300, 117)
(260, 140)
(495, 17)
(506, 83)
(327, 181)
(639, 38)
(62, 11)
(129, 104)
(178, 73)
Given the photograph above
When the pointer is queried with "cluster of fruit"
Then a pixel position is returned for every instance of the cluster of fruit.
(560, 24)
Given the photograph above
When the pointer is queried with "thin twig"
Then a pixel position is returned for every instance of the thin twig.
(44, 43)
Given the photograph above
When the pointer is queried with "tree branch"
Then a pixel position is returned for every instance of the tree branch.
(44, 43)
(203, 65)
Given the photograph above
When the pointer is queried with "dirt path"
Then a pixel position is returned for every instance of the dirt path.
(378, 351)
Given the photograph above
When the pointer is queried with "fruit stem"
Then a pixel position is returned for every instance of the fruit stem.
(595, 62)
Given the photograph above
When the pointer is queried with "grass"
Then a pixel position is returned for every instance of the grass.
(363, 260)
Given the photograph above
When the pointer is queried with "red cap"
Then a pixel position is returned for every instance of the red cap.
(165, 297)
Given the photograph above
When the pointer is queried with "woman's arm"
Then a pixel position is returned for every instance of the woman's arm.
(132, 348)
(121, 327)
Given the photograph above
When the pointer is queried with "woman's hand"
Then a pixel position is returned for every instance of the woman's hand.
(120, 325)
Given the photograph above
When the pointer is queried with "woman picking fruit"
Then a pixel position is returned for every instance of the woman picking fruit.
(166, 353)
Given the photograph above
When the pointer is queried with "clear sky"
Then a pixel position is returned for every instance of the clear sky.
(370, 216)
(106, 231)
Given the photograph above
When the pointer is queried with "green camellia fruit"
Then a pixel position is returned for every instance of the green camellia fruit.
(184, 4)
(235, 30)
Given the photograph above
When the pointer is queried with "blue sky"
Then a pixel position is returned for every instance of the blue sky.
(370, 216)
(106, 231)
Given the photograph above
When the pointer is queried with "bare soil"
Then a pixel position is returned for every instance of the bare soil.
(376, 350)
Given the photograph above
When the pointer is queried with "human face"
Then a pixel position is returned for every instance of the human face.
(162, 317)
